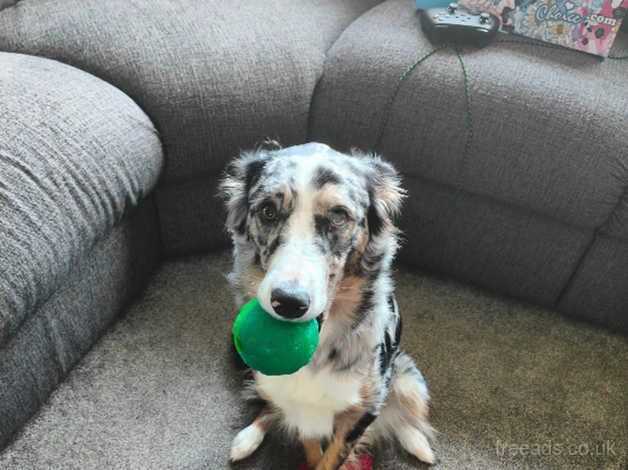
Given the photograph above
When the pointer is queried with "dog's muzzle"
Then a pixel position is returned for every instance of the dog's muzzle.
(295, 285)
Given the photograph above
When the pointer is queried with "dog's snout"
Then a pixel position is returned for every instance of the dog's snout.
(290, 300)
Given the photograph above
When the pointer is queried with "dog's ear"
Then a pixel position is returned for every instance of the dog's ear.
(241, 175)
(385, 193)
(268, 143)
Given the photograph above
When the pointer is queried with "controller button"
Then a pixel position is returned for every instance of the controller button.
(452, 7)
(484, 18)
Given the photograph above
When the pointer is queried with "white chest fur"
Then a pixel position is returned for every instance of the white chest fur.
(310, 398)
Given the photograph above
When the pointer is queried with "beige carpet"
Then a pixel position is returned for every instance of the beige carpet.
(513, 386)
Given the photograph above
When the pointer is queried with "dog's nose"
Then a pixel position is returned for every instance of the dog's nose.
(290, 300)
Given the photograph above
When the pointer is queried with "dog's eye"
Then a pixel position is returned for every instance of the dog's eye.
(338, 216)
(269, 212)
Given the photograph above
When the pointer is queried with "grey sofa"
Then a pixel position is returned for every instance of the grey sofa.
(117, 117)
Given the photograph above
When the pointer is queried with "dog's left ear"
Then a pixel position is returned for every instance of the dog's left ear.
(241, 175)
(385, 192)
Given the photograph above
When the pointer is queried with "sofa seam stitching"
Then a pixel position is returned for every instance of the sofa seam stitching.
(597, 231)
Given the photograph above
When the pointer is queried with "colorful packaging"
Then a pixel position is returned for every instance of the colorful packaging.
(586, 25)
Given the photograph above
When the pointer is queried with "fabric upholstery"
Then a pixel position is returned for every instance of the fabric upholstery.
(39, 356)
(214, 76)
(159, 391)
(493, 244)
(75, 155)
(192, 217)
(7, 3)
(617, 223)
(598, 291)
(548, 124)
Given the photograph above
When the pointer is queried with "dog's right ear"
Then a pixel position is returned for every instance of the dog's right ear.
(241, 175)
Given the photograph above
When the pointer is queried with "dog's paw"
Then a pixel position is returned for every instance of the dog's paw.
(246, 442)
(415, 442)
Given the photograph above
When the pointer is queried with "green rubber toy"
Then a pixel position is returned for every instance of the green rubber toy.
(271, 346)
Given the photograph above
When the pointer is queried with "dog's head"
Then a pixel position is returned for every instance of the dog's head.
(308, 217)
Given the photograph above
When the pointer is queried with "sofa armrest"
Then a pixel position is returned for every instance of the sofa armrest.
(75, 155)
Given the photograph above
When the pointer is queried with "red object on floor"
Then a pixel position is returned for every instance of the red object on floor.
(366, 461)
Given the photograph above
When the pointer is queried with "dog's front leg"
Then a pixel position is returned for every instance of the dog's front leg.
(348, 428)
(313, 451)
(248, 440)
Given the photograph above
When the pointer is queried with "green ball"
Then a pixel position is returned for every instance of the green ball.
(271, 346)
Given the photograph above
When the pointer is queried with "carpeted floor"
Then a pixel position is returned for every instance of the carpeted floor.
(513, 386)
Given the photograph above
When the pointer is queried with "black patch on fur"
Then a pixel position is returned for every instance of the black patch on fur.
(398, 330)
(374, 221)
(241, 228)
(389, 350)
(332, 354)
(320, 246)
(359, 427)
(253, 173)
(365, 306)
(274, 245)
(321, 224)
(320, 321)
(372, 261)
(325, 176)
(257, 261)
(383, 361)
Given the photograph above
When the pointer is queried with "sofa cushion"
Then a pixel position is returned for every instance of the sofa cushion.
(549, 124)
(57, 335)
(598, 289)
(214, 76)
(75, 155)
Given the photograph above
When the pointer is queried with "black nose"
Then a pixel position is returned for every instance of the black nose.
(290, 300)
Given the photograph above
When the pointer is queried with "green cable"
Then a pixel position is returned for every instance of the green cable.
(469, 121)
(466, 153)
(467, 89)
(393, 95)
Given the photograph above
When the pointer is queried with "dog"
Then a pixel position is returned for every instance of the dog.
(314, 237)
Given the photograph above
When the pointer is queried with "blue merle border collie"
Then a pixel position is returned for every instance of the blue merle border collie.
(314, 237)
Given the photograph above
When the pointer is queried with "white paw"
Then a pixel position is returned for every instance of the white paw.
(415, 442)
(246, 442)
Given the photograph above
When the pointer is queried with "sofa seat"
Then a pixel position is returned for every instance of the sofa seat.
(78, 160)
(524, 191)
(215, 77)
